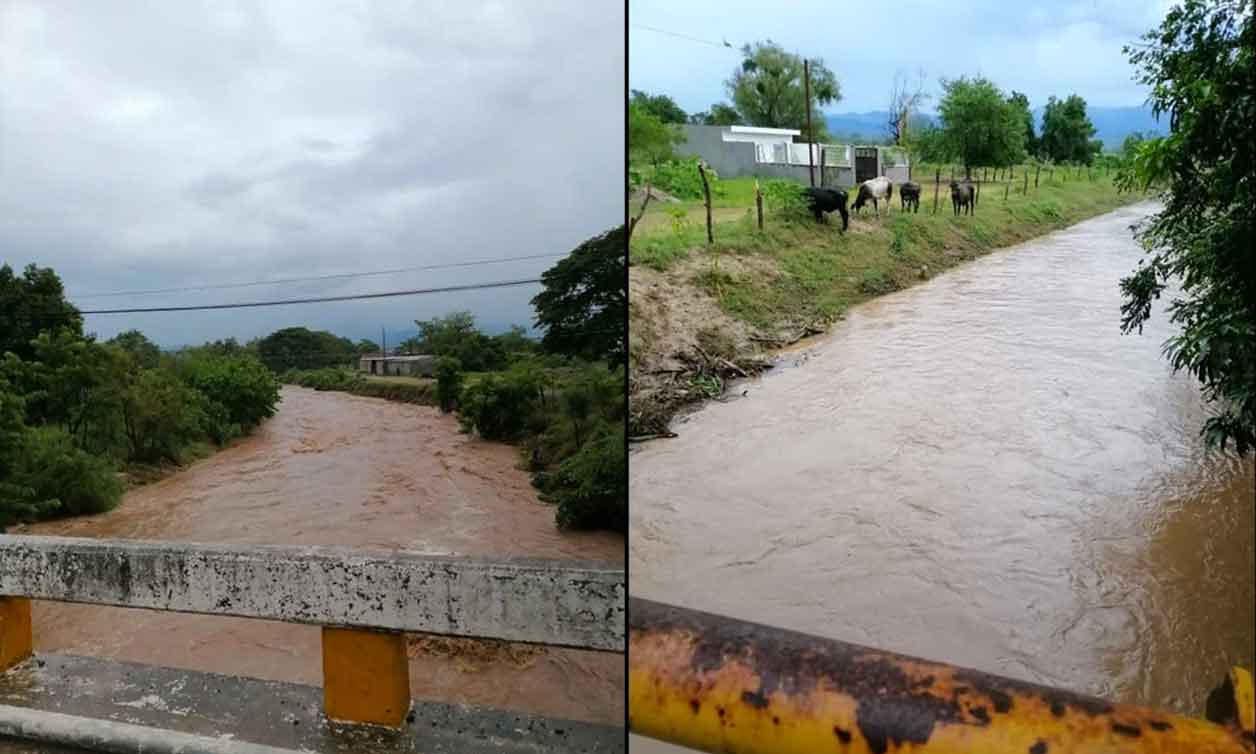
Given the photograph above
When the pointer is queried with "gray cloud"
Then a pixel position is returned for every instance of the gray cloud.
(1040, 48)
(196, 143)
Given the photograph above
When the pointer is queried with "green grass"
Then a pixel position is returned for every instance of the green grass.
(819, 272)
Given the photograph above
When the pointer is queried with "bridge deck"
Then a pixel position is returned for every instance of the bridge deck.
(282, 715)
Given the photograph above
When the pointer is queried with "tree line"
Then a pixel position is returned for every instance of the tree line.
(75, 412)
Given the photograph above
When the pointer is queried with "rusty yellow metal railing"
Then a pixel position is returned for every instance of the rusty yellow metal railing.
(720, 685)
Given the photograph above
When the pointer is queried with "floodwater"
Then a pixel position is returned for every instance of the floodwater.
(336, 469)
(980, 470)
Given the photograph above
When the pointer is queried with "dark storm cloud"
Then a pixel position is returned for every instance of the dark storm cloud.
(176, 145)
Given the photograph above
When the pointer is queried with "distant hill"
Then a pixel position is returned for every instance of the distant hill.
(1112, 124)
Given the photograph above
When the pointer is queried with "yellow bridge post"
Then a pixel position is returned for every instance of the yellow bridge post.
(16, 641)
(720, 685)
(366, 676)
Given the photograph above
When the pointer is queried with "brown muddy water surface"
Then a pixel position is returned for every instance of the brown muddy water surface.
(980, 470)
(337, 469)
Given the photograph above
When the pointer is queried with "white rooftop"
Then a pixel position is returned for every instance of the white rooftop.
(764, 131)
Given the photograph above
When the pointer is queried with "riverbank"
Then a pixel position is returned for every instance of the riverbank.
(415, 390)
(700, 315)
(336, 469)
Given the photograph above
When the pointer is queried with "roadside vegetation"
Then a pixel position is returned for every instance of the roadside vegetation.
(80, 419)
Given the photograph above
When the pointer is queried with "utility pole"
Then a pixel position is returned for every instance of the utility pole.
(806, 87)
(383, 342)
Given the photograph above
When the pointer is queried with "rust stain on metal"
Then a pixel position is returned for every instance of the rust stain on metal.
(716, 684)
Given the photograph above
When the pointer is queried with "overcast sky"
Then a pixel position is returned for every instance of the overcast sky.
(1039, 48)
(156, 145)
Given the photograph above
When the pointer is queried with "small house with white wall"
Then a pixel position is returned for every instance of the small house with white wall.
(736, 151)
(423, 365)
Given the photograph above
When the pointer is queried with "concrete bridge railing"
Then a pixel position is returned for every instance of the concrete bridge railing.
(365, 601)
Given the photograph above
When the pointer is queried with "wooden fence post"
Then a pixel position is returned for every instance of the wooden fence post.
(1025, 188)
(1037, 169)
(1006, 188)
(937, 180)
(1011, 172)
(706, 192)
(758, 202)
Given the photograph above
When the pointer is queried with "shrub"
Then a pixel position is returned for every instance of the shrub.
(240, 390)
(448, 383)
(499, 406)
(786, 199)
(63, 478)
(591, 487)
(680, 179)
(160, 415)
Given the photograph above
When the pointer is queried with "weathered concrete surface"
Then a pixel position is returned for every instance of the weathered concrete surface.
(276, 714)
(559, 603)
(56, 729)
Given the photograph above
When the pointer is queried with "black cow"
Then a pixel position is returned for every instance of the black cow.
(962, 197)
(822, 200)
(909, 193)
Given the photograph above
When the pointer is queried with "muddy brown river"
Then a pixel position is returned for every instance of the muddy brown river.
(337, 469)
(980, 470)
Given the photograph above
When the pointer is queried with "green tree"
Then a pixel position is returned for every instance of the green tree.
(134, 342)
(448, 383)
(302, 348)
(516, 341)
(767, 89)
(1201, 67)
(1067, 133)
(660, 106)
(30, 304)
(456, 335)
(979, 124)
(17, 500)
(1130, 146)
(366, 347)
(1020, 103)
(650, 140)
(160, 416)
(241, 392)
(720, 114)
(583, 307)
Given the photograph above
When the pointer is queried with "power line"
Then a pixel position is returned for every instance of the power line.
(316, 300)
(724, 44)
(317, 277)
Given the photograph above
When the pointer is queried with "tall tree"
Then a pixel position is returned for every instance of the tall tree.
(302, 348)
(32, 303)
(584, 307)
(767, 89)
(144, 351)
(650, 140)
(1067, 133)
(1201, 67)
(720, 114)
(906, 98)
(660, 106)
(1020, 103)
(979, 124)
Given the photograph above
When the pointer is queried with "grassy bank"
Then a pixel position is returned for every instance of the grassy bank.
(400, 389)
(700, 314)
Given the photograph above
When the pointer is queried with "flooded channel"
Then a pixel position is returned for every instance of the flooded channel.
(336, 469)
(980, 470)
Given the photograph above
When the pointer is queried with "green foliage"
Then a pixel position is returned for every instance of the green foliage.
(239, 390)
(449, 381)
(500, 406)
(767, 89)
(590, 488)
(1020, 103)
(720, 114)
(650, 140)
(680, 178)
(786, 198)
(62, 477)
(980, 126)
(1067, 133)
(876, 283)
(145, 352)
(302, 348)
(660, 106)
(30, 304)
(583, 306)
(456, 335)
(1200, 64)
(161, 415)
